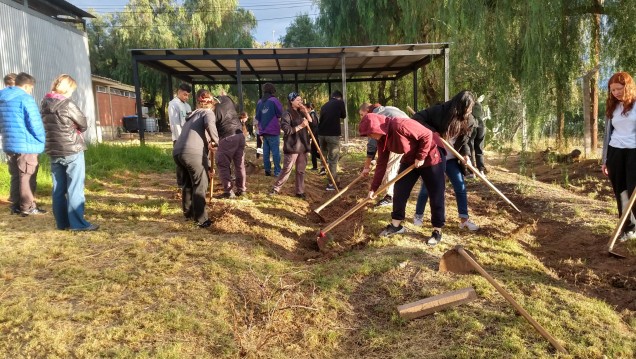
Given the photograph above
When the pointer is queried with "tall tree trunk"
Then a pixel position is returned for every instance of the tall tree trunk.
(560, 115)
(596, 45)
(381, 93)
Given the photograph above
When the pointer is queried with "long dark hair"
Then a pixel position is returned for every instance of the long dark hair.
(458, 114)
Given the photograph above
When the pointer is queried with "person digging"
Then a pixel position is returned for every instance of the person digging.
(420, 148)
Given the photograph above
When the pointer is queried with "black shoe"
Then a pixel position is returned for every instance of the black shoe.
(435, 238)
(14, 210)
(240, 193)
(268, 173)
(322, 172)
(386, 201)
(301, 195)
(92, 227)
(314, 169)
(226, 195)
(391, 230)
(32, 212)
(205, 224)
(330, 187)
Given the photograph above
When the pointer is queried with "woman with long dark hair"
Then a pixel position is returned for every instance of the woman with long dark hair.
(454, 122)
(619, 145)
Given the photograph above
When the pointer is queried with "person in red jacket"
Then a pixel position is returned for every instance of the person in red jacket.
(420, 147)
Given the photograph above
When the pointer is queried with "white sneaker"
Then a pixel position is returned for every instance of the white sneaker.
(627, 236)
(468, 224)
(418, 219)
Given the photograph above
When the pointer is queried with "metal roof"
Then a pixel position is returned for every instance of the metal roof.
(291, 65)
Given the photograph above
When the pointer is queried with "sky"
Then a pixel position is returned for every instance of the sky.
(273, 17)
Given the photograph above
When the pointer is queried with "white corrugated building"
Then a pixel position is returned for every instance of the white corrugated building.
(46, 38)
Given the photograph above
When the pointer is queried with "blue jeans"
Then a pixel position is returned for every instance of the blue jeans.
(454, 174)
(271, 143)
(68, 174)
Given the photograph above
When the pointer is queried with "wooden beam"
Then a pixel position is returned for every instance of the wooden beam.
(434, 304)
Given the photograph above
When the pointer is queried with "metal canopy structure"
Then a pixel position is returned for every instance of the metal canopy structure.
(292, 65)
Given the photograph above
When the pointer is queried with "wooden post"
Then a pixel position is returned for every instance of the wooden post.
(439, 302)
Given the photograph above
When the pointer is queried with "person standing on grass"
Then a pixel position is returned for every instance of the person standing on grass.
(178, 110)
(231, 147)
(65, 125)
(315, 156)
(619, 145)
(268, 113)
(190, 154)
(23, 139)
(329, 127)
(394, 158)
(453, 121)
(296, 144)
(419, 147)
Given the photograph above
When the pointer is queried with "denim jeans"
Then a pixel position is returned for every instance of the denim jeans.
(68, 174)
(271, 144)
(454, 174)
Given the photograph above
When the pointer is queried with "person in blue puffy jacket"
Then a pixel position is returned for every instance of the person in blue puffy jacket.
(22, 140)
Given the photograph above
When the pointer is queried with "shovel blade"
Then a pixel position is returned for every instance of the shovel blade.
(453, 262)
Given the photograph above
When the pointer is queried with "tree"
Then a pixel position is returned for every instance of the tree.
(302, 32)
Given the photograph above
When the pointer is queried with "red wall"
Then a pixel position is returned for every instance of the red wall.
(122, 106)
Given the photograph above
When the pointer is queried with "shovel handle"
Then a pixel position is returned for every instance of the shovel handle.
(510, 300)
(473, 169)
(322, 158)
(622, 221)
(364, 201)
(342, 191)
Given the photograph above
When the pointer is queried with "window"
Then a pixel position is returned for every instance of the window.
(101, 89)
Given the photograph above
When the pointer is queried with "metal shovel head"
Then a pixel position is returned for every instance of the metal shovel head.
(452, 261)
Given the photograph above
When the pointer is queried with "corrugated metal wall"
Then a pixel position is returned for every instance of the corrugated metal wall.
(46, 49)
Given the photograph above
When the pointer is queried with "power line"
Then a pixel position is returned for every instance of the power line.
(191, 24)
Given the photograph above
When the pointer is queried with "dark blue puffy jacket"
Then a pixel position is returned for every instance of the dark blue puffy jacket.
(20, 122)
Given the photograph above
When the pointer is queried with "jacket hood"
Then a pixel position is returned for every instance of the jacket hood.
(11, 92)
(373, 123)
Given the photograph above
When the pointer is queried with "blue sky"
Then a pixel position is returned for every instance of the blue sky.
(273, 16)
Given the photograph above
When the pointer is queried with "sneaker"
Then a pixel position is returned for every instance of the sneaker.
(435, 238)
(268, 173)
(322, 172)
(205, 224)
(628, 235)
(14, 210)
(314, 169)
(418, 219)
(330, 187)
(386, 201)
(483, 173)
(273, 192)
(469, 176)
(92, 227)
(391, 230)
(240, 193)
(301, 195)
(468, 224)
(226, 195)
(483, 170)
(31, 212)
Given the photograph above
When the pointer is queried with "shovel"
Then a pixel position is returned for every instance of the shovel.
(458, 260)
(322, 239)
(621, 222)
(342, 191)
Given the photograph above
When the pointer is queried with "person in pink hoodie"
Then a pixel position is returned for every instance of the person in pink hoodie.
(421, 147)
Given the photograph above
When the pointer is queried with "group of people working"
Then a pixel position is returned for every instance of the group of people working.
(57, 128)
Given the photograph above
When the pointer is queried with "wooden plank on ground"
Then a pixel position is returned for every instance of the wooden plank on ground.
(434, 304)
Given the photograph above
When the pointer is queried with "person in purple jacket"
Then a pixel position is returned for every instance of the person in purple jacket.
(268, 113)
(22, 140)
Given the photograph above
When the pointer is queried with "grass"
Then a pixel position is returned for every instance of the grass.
(151, 285)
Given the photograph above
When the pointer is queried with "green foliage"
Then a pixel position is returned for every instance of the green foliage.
(302, 32)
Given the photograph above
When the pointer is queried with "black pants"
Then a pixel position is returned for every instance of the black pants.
(433, 178)
(194, 171)
(477, 146)
(621, 167)
(259, 144)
